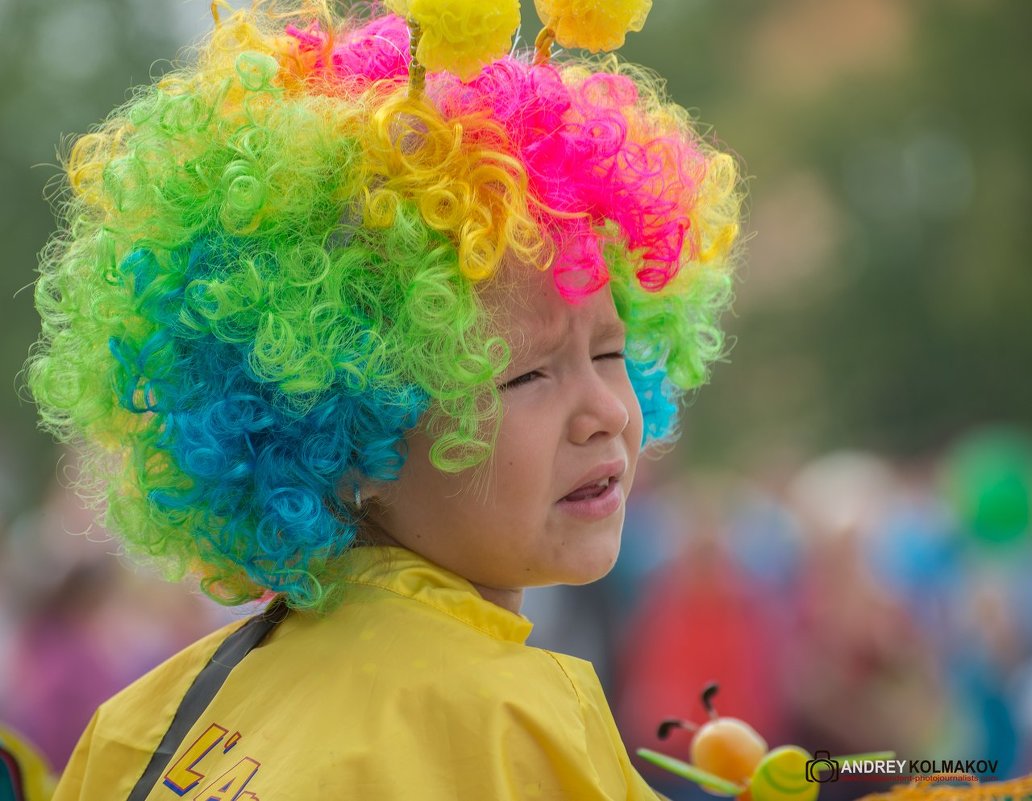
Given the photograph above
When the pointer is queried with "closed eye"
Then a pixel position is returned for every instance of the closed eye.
(519, 380)
(527, 378)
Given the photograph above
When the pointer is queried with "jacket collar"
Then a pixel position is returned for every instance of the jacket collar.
(411, 575)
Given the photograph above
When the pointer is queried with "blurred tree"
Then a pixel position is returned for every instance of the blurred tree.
(67, 64)
(892, 179)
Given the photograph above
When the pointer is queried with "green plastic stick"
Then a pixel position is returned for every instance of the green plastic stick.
(692, 773)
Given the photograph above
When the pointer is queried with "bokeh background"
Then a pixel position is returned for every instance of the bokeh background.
(841, 538)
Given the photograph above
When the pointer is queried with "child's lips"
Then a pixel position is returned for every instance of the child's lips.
(596, 507)
(612, 470)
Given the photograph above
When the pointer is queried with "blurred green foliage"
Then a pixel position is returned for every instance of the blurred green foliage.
(884, 301)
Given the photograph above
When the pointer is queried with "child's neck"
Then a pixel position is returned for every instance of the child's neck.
(512, 599)
(507, 599)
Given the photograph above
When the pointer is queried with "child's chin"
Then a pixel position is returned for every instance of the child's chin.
(595, 564)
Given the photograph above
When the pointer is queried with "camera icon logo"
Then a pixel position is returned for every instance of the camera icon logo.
(822, 768)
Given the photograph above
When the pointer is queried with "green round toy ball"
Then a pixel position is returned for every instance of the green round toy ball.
(781, 776)
(988, 480)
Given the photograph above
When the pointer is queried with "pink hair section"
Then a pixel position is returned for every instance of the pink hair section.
(593, 151)
(377, 51)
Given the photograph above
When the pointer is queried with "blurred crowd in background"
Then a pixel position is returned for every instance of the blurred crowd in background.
(851, 605)
(838, 539)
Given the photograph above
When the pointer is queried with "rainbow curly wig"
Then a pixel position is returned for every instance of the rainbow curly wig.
(266, 275)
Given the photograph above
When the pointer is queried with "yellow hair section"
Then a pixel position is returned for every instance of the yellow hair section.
(463, 187)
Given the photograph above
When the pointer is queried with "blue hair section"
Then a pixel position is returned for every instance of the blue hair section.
(259, 478)
(658, 397)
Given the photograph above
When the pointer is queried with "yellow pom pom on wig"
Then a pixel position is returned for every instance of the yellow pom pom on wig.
(593, 24)
(460, 36)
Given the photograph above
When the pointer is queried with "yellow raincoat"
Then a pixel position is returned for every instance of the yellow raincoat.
(415, 688)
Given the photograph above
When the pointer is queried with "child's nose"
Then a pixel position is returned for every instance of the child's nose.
(600, 410)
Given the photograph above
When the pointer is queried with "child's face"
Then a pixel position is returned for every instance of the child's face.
(570, 418)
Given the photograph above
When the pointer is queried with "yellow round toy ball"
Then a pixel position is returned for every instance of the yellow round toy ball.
(781, 776)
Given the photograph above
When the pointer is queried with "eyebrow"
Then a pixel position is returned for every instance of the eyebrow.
(549, 343)
(611, 329)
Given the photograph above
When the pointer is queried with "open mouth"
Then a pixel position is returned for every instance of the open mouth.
(593, 490)
(600, 494)
(595, 501)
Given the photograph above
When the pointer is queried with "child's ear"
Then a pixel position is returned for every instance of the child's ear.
(370, 491)
(357, 492)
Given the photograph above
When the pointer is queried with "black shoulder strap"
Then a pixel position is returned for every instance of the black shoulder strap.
(205, 685)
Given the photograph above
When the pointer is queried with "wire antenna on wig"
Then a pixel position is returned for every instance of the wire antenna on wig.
(417, 72)
(543, 46)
